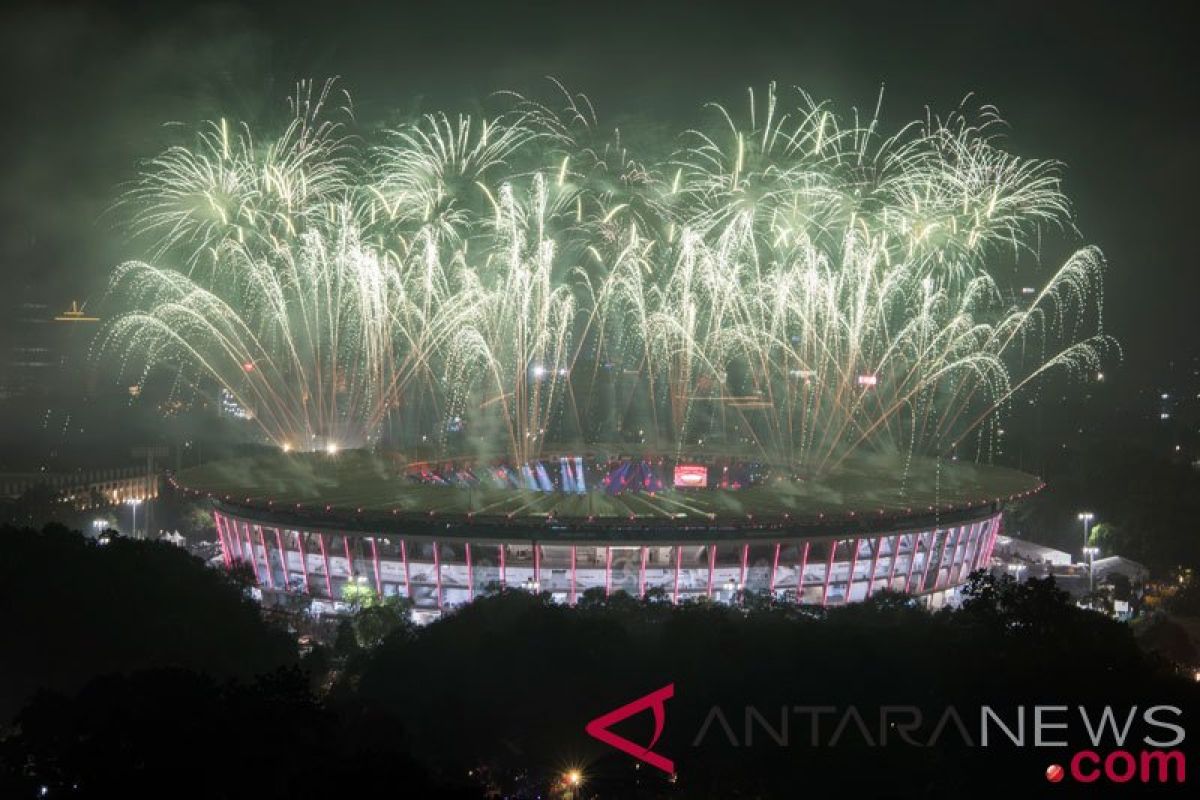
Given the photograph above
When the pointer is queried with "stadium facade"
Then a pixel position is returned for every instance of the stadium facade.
(442, 562)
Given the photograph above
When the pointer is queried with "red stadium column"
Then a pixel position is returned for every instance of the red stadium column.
(912, 560)
(242, 547)
(303, 559)
(221, 539)
(972, 535)
(981, 546)
(231, 541)
(985, 540)
(937, 577)
(943, 561)
(253, 551)
(642, 575)
(971, 553)
(378, 571)
(949, 561)
(895, 556)
(974, 542)
(437, 571)
(968, 533)
(957, 559)
(404, 560)
(800, 572)
(224, 547)
(250, 550)
(325, 561)
(853, 565)
(226, 553)
(349, 558)
(470, 573)
(219, 522)
(874, 567)
(607, 571)
(929, 559)
(678, 564)
(231, 537)
(537, 566)
(774, 569)
(266, 557)
(828, 573)
(237, 540)
(283, 562)
(503, 568)
(997, 525)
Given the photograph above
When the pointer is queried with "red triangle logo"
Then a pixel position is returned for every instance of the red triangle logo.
(656, 700)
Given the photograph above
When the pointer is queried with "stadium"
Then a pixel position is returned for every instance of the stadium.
(704, 525)
(505, 351)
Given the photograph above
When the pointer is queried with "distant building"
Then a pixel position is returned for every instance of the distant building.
(40, 339)
(1009, 549)
(85, 489)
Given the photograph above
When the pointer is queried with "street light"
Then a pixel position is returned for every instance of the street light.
(572, 779)
(734, 589)
(133, 502)
(1090, 553)
(1086, 518)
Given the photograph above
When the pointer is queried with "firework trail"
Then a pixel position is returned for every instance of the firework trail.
(781, 279)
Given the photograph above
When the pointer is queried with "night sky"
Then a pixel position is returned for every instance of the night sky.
(1107, 88)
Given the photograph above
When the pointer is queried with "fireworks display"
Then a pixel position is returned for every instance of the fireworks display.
(789, 281)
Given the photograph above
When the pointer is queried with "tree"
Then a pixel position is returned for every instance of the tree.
(196, 522)
(1169, 640)
(376, 622)
(75, 607)
(176, 733)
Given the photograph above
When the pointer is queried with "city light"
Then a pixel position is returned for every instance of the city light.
(1090, 554)
(133, 503)
(1086, 518)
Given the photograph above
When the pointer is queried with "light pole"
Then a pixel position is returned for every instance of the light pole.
(571, 782)
(735, 592)
(133, 502)
(1091, 553)
(1086, 518)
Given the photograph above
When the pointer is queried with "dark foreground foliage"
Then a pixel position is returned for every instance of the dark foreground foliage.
(172, 686)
